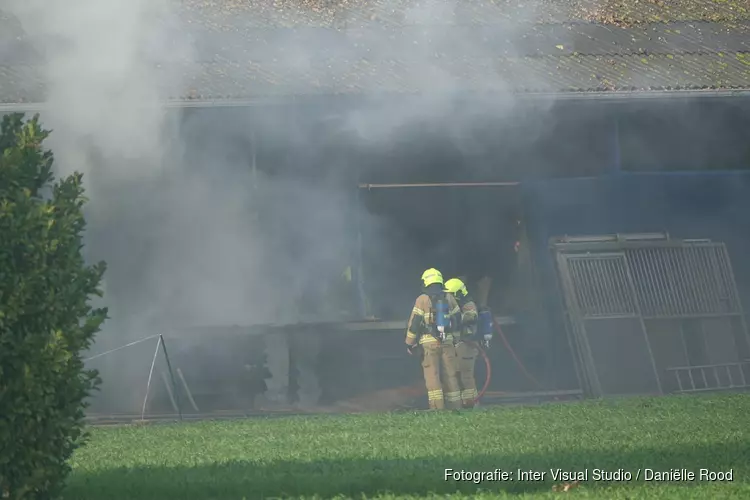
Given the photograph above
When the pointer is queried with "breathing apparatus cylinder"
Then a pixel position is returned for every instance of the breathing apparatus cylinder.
(442, 319)
(485, 325)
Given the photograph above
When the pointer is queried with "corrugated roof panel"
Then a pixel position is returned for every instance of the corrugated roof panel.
(528, 74)
(397, 13)
(302, 46)
(531, 74)
(400, 46)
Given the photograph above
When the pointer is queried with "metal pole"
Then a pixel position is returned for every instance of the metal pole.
(578, 325)
(169, 391)
(364, 308)
(450, 184)
(642, 322)
(574, 344)
(187, 390)
(121, 347)
(150, 374)
(171, 375)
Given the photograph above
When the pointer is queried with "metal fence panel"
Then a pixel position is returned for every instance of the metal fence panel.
(604, 316)
(623, 284)
(601, 286)
(683, 281)
(669, 282)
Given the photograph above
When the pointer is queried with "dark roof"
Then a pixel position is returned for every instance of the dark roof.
(399, 13)
(245, 49)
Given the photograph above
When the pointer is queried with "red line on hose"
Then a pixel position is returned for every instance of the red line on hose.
(489, 365)
(515, 357)
(489, 373)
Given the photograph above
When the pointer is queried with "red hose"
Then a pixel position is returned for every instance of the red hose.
(488, 365)
(515, 357)
(489, 372)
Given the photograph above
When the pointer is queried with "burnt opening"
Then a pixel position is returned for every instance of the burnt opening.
(469, 232)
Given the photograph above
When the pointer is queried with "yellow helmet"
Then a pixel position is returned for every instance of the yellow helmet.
(455, 286)
(432, 276)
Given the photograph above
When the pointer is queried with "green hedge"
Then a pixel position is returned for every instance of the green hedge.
(46, 322)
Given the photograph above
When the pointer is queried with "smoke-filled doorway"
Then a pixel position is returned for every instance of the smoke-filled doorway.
(474, 231)
(469, 230)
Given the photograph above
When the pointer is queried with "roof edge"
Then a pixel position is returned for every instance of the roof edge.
(613, 95)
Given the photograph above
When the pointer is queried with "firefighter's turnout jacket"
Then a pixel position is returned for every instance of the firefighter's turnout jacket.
(440, 360)
(467, 352)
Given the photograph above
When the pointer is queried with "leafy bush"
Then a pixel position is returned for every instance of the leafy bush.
(46, 322)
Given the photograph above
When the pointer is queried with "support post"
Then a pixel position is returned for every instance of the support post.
(150, 375)
(639, 312)
(171, 375)
(169, 391)
(187, 390)
(364, 310)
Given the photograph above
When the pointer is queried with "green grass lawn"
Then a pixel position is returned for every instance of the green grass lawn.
(405, 455)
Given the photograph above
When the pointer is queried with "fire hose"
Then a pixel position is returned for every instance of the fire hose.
(487, 378)
(488, 365)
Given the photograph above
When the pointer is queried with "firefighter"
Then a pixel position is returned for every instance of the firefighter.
(439, 359)
(466, 350)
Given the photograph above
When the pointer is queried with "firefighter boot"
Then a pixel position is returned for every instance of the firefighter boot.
(431, 366)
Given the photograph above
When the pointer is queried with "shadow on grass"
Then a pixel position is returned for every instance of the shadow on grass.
(357, 477)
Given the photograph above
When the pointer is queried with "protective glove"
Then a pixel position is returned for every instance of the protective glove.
(487, 339)
(410, 349)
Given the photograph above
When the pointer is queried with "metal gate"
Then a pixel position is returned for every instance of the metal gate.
(629, 301)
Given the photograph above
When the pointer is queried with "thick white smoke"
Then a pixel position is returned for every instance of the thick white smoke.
(108, 65)
(174, 198)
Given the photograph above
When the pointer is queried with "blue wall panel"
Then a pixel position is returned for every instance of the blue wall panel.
(700, 205)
